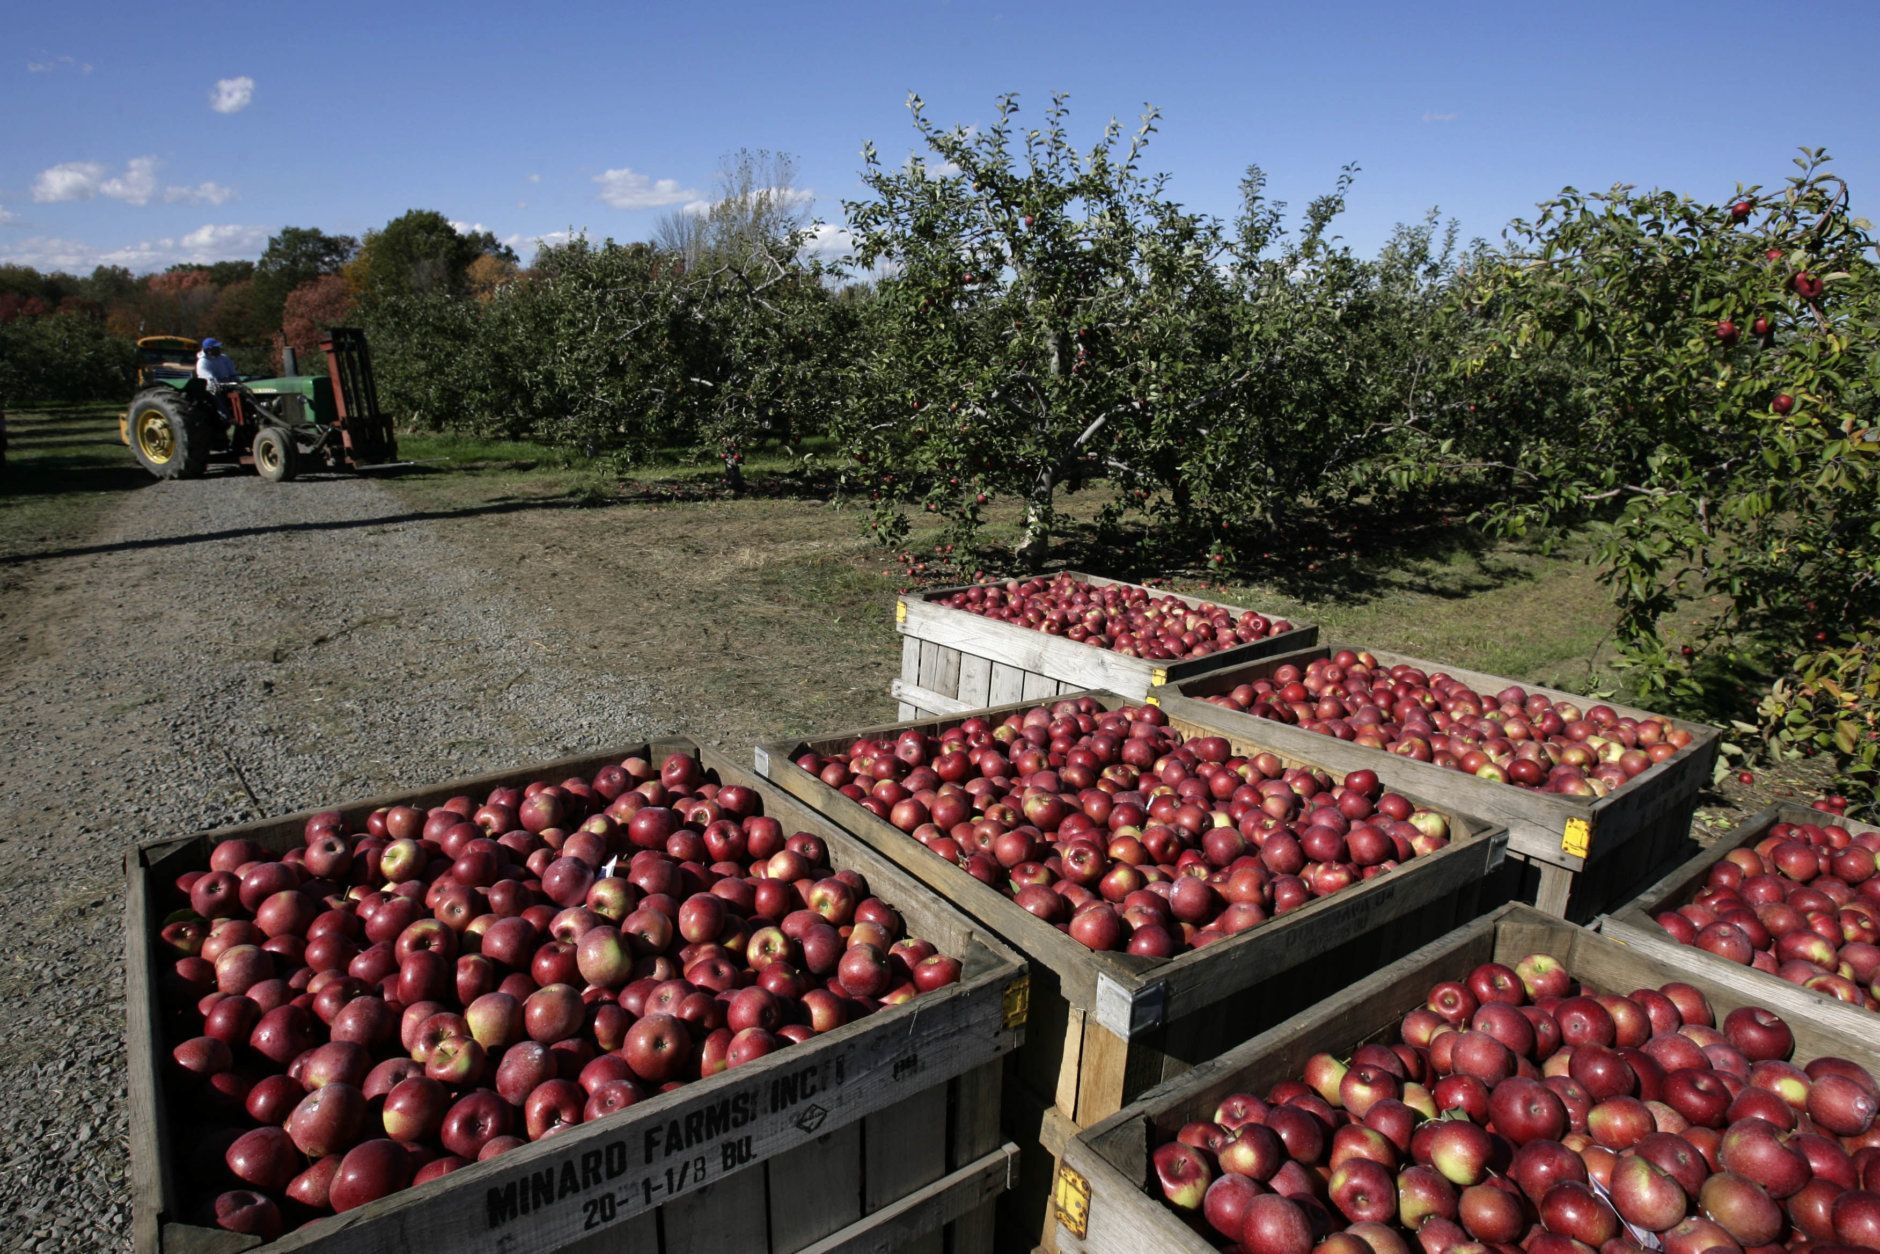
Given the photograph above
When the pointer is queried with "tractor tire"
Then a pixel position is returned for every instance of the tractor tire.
(276, 458)
(170, 438)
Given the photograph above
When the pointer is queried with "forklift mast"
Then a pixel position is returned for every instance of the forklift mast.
(364, 429)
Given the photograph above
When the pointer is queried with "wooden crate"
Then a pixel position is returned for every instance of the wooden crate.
(1633, 924)
(1571, 856)
(953, 661)
(882, 1134)
(1106, 1027)
(1105, 1199)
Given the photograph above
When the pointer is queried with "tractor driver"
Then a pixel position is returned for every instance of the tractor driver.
(214, 368)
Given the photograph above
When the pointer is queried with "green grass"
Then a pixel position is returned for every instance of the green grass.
(65, 468)
(1504, 610)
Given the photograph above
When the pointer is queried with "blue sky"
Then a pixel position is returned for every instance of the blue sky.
(142, 137)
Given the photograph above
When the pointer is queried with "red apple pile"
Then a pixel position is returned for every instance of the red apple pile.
(1516, 1111)
(1802, 903)
(377, 1008)
(1132, 621)
(1513, 737)
(1111, 827)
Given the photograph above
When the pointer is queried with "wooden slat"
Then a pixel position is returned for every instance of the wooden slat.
(637, 1234)
(929, 664)
(910, 659)
(1008, 683)
(730, 1214)
(973, 1134)
(975, 681)
(851, 1071)
(929, 704)
(1038, 687)
(816, 1190)
(968, 1189)
(940, 669)
(904, 1149)
(152, 1173)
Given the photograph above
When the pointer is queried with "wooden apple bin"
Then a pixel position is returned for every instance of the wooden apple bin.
(1570, 856)
(953, 661)
(1106, 1200)
(881, 1134)
(1107, 1027)
(1634, 924)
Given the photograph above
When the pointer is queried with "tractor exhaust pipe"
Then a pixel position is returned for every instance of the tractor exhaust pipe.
(290, 361)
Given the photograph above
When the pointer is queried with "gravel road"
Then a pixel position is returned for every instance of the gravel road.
(214, 652)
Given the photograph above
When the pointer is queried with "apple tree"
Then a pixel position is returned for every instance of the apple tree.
(1327, 354)
(1035, 307)
(1719, 428)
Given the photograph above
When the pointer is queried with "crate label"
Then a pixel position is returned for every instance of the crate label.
(1152, 699)
(1158, 677)
(1017, 1003)
(1071, 1201)
(1125, 1014)
(760, 758)
(900, 611)
(1577, 840)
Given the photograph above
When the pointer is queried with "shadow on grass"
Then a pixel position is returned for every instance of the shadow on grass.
(1360, 555)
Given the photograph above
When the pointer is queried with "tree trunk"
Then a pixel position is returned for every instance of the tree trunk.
(1035, 544)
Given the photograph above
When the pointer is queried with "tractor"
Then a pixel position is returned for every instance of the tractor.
(280, 426)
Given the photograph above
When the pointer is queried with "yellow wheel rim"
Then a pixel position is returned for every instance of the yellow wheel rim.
(154, 437)
(267, 455)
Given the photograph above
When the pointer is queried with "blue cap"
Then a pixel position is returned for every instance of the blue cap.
(212, 342)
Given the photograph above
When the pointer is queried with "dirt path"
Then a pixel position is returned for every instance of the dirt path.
(213, 652)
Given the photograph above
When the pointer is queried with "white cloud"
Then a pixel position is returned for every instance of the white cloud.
(74, 180)
(1441, 117)
(535, 178)
(467, 228)
(232, 95)
(136, 185)
(53, 64)
(828, 242)
(627, 189)
(227, 241)
(205, 244)
(200, 194)
(85, 180)
(7, 216)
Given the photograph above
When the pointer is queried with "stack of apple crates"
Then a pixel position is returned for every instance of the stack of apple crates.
(1104, 1027)
(881, 1134)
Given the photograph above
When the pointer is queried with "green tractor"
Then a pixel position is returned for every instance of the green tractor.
(279, 426)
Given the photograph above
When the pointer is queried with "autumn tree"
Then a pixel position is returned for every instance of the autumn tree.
(294, 257)
(310, 311)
